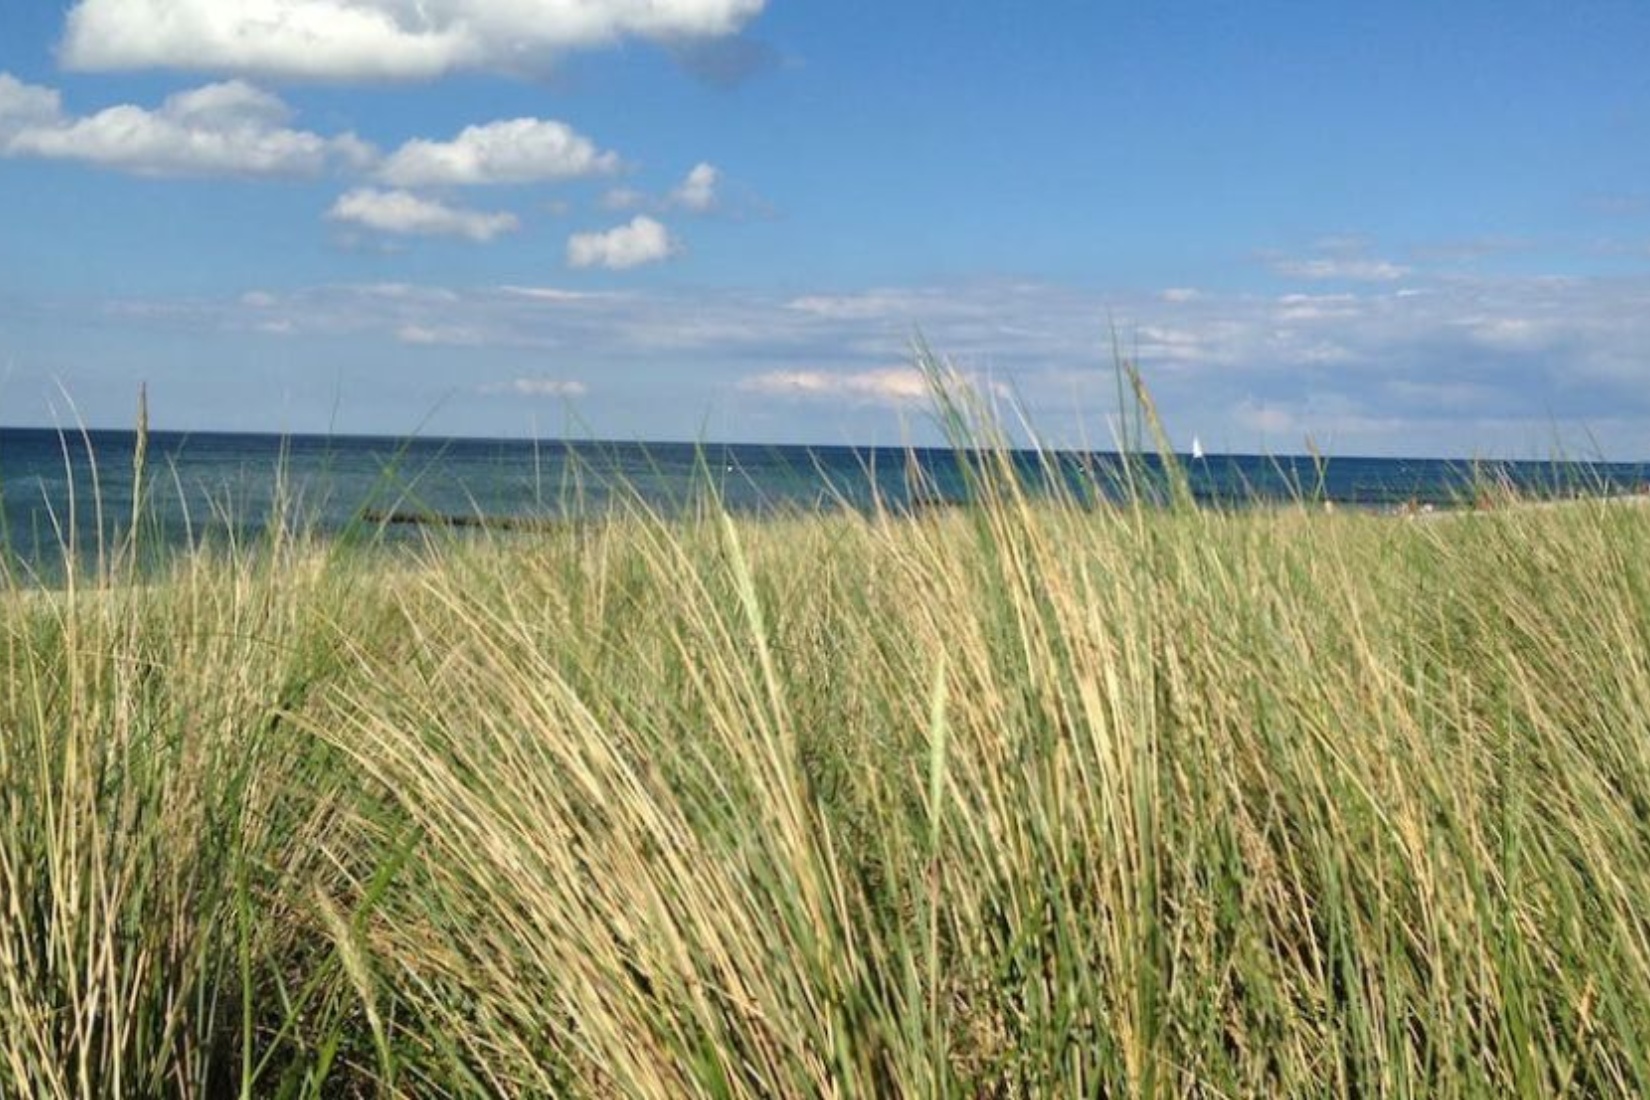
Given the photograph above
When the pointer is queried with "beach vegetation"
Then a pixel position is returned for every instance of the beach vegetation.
(1049, 794)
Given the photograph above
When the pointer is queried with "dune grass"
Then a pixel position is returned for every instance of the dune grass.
(1037, 797)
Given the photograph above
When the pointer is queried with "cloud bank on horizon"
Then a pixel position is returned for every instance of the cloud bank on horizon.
(726, 215)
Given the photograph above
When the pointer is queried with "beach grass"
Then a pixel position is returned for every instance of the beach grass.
(1039, 796)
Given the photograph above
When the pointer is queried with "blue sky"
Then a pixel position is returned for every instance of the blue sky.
(1407, 228)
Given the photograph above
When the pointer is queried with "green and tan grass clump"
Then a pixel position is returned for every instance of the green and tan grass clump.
(1036, 797)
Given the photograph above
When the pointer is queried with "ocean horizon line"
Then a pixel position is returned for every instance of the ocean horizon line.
(422, 440)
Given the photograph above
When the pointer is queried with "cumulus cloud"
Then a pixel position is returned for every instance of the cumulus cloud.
(535, 387)
(641, 241)
(521, 150)
(698, 191)
(403, 213)
(696, 194)
(355, 40)
(226, 129)
(23, 106)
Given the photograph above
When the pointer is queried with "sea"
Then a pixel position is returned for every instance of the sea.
(74, 489)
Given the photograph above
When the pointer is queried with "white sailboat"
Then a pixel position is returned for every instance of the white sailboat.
(1197, 448)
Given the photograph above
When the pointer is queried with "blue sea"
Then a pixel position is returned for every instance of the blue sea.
(73, 486)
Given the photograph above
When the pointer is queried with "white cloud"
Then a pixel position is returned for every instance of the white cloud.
(374, 39)
(536, 387)
(1341, 258)
(695, 194)
(445, 336)
(698, 191)
(1297, 308)
(230, 103)
(521, 150)
(1497, 366)
(1346, 268)
(868, 305)
(226, 129)
(409, 292)
(899, 385)
(23, 106)
(403, 213)
(1166, 344)
(1513, 334)
(641, 241)
(553, 294)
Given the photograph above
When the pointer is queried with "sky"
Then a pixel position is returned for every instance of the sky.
(1409, 228)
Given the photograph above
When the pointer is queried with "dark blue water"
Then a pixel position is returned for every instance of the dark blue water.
(71, 487)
